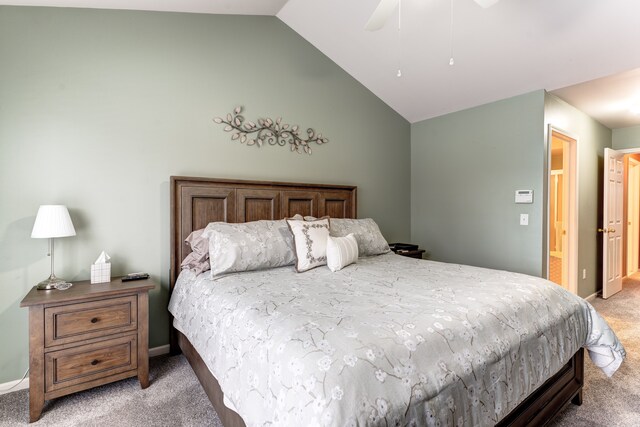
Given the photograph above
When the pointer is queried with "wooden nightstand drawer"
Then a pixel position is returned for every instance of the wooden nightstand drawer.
(78, 322)
(77, 365)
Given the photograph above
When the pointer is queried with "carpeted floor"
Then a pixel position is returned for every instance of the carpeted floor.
(175, 397)
(613, 401)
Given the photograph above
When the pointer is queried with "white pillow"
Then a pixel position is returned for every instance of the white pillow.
(341, 251)
(310, 243)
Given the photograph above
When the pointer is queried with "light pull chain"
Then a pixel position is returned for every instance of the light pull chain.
(399, 73)
(451, 61)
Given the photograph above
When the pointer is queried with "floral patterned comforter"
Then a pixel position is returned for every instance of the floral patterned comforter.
(387, 341)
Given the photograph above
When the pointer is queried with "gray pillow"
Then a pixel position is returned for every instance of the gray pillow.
(249, 246)
(366, 231)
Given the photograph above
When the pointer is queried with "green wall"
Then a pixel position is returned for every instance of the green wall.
(465, 169)
(626, 138)
(98, 108)
(593, 138)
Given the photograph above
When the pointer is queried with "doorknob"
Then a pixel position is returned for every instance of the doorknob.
(602, 230)
(612, 230)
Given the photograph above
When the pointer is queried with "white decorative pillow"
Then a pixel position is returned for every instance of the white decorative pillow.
(310, 241)
(341, 251)
(366, 231)
(248, 246)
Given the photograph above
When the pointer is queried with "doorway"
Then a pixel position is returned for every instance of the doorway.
(562, 216)
(621, 218)
(633, 213)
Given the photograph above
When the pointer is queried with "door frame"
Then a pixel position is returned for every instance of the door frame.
(634, 150)
(633, 194)
(572, 229)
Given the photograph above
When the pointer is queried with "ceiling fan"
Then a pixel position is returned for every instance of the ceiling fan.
(386, 7)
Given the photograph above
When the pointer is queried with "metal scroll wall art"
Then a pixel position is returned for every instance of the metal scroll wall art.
(268, 131)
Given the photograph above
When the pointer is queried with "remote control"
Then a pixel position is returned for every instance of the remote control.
(135, 276)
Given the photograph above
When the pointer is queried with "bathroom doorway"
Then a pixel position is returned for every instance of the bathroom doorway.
(562, 211)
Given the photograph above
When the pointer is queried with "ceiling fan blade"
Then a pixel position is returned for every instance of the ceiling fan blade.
(379, 16)
(486, 3)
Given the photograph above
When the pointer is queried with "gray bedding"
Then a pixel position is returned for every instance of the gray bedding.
(387, 341)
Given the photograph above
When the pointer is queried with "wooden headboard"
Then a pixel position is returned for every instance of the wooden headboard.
(195, 202)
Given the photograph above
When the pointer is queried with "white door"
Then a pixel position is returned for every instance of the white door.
(612, 223)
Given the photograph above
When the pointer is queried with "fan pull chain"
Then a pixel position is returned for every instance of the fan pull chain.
(399, 73)
(451, 61)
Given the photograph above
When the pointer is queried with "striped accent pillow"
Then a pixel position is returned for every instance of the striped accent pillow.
(341, 251)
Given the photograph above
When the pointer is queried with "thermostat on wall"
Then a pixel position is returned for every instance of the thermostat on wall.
(524, 196)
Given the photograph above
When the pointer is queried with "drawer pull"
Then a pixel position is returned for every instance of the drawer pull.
(95, 362)
(94, 320)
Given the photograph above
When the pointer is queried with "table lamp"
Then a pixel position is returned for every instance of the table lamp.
(52, 221)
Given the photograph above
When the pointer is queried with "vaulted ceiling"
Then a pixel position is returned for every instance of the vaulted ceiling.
(511, 48)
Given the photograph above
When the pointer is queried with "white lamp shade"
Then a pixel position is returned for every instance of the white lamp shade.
(52, 221)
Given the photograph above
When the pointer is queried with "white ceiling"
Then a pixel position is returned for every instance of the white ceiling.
(228, 7)
(614, 100)
(512, 48)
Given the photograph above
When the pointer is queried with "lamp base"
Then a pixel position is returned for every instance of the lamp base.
(50, 283)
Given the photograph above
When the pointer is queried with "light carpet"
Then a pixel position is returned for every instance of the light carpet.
(175, 398)
(613, 401)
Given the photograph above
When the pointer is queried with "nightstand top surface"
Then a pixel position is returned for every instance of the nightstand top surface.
(84, 289)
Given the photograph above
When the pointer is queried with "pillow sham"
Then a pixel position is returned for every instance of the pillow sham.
(197, 242)
(198, 259)
(341, 251)
(249, 246)
(366, 231)
(310, 242)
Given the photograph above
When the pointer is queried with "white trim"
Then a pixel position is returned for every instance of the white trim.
(631, 236)
(160, 350)
(573, 226)
(4, 388)
(628, 150)
(591, 297)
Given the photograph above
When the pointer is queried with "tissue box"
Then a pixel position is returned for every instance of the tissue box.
(100, 273)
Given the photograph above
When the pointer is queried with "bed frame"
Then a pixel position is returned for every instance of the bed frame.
(195, 202)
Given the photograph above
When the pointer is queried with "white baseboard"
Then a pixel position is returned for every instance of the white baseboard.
(6, 387)
(591, 297)
(160, 350)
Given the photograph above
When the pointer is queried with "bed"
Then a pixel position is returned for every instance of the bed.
(511, 393)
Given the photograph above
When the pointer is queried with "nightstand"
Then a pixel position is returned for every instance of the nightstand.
(86, 336)
(407, 249)
(411, 253)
